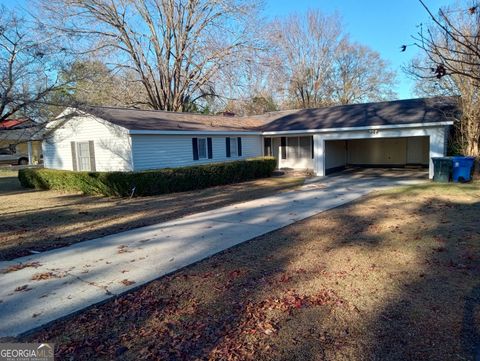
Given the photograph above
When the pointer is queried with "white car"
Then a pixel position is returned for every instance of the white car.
(10, 156)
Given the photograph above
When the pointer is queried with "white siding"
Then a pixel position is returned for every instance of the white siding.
(169, 151)
(336, 154)
(112, 144)
(417, 150)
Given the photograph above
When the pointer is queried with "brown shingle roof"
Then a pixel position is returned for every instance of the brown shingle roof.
(398, 112)
(135, 119)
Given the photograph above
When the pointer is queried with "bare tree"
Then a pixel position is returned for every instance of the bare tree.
(93, 83)
(318, 65)
(29, 67)
(450, 65)
(303, 49)
(359, 75)
(452, 41)
(176, 47)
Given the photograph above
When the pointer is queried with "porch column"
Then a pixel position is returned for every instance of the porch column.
(319, 155)
(437, 146)
(30, 157)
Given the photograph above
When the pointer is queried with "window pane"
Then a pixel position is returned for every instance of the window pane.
(305, 151)
(83, 156)
(233, 147)
(202, 148)
(292, 147)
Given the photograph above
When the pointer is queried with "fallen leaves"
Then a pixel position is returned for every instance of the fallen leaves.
(23, 288)
(20, 266)
(127, 282)
(46, 276)
(321, 289)
(123, 249)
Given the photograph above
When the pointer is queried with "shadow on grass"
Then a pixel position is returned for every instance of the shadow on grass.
(385, 278)
(74, 218)
(10, 186)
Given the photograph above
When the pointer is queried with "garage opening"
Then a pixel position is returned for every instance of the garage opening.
(376, 153)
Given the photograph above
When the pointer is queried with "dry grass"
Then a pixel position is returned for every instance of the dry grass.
(41, 220)
(395, 276)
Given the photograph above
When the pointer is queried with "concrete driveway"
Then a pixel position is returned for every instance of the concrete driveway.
(38, 289)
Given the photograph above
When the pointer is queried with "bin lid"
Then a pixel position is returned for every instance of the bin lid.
(460, 157)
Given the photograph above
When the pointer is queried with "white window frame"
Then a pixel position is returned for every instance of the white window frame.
(200, 140)
(234, 147)
(78, 156)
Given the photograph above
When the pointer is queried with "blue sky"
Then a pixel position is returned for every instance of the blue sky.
(383, 25)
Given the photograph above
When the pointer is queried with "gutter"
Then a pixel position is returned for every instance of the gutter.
(350, 129)
(286, 132)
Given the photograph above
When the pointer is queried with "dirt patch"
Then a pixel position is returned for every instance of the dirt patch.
(394, 276)
(42, 220)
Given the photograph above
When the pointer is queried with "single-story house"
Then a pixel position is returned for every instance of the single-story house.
(384, 134)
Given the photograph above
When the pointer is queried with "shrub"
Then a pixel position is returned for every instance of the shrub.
(151, 182)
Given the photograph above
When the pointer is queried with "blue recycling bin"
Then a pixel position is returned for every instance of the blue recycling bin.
(462, 169)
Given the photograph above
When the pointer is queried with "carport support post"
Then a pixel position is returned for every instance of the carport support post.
(319, 155)
(29, 147)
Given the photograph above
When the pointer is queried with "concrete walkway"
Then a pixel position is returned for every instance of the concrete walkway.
(77, 276)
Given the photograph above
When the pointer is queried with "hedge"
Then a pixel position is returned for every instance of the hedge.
(151, 182)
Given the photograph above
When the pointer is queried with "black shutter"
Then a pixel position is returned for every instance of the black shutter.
(74, 155)
(195, 148)
(313, 149)
(267, 147)
(227, 146)
(283, 144)
(239, 144)
(209, 148)
(91, 148)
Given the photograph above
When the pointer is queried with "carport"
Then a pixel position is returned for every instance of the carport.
(399, 133)
(377, 153)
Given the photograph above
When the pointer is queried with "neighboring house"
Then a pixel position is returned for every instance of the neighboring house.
(385, 134)
(20, 142)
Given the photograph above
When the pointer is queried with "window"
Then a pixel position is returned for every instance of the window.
(83, 152)
(5, 151)
(297, 148)
(233, 147)
(304, 147)
(202, 148)
(83, 156)
(292, 148)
